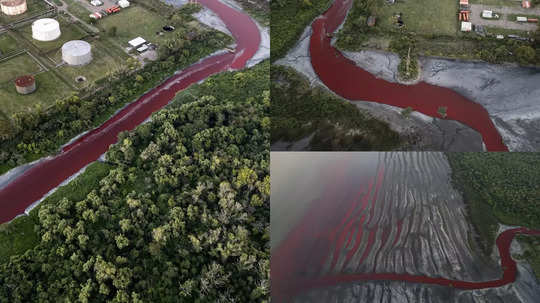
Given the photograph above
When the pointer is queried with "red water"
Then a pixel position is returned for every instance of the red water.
(48, 174)
(307, 257)
(346, 79)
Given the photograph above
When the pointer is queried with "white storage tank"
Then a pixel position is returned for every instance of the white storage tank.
(46, 29)
(77, 52)
(13, 7)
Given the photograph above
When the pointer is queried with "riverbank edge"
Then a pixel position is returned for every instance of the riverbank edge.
(29, 217)
(485, 225)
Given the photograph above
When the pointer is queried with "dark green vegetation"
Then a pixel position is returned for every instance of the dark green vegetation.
(289, 19)
(405, 47)
(259, 9)
(182, 214)
(500, 187)
(299, 110)
(436, 33)
(29, 135)
(20, 235)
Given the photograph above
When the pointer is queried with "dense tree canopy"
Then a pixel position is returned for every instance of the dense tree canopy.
(182, 216)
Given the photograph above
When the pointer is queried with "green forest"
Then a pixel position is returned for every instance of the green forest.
(289, 19)
(500, 188)
(179, 212)
(27, 136)
(298, 110)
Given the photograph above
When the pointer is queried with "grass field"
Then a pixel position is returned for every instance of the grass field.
(102, 63)
(77, 9)
(19, 235)
(16, 66)
(8, 44)
(34, 7)
(148, 23)
(69, 32)
(424, 17)
(49, 89)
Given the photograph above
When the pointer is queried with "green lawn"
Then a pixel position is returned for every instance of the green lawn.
(102, 63)
(34, 7)
(77, 9)
(148, 23)
(49, 89)
(424, 17)
(16, 66)
(8, 44)
(69, 32)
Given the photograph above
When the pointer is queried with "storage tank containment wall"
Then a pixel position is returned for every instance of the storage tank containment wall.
(13, 7)
(77, 52)
(46, 29)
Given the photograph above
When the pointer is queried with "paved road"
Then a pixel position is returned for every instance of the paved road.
(476, 11)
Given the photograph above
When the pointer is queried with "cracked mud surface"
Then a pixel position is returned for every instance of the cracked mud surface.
(412, 222)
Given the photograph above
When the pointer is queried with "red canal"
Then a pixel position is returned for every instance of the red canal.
(43, 177)
(346, 79)
(302, 261)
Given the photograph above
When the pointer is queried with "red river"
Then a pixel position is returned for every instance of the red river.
(305, 259)
(346, 79)
(48, 174)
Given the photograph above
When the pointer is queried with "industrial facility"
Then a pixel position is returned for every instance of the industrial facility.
(13, 7)
(25, 84)
(45, 29)
(77, 52)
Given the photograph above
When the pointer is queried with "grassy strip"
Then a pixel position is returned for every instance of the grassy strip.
(289, 19)
(298, 110)
(21, 234)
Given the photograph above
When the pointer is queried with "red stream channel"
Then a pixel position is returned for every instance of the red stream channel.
(37, 181)
(306, 258)
(346, 79)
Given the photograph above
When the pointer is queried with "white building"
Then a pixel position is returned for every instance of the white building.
(466, 26)
(137, 42)
(123, 3)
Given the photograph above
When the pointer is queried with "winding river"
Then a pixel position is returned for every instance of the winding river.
(376, 217)
(37, 181)
(346, 79)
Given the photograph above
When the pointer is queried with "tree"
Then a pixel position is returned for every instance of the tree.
(442, 111)
(525, 54)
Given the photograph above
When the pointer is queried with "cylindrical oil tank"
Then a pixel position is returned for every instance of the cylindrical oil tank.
(13, 7)
(46, 29)
(25, 84)
(77, 52)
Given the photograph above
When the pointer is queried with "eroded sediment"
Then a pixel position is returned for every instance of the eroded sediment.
(406, 224)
